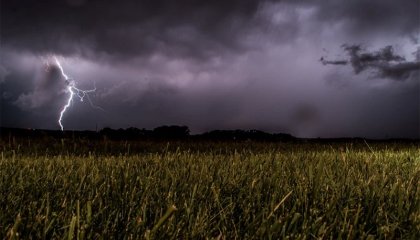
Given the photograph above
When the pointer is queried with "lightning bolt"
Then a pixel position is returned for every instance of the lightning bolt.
(73, 91)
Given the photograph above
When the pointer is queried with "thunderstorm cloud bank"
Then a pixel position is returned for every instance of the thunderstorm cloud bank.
(310, 68)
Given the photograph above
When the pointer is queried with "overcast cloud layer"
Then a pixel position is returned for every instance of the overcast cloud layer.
(215, 65)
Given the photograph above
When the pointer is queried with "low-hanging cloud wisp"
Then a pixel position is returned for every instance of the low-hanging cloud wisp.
(384, 62)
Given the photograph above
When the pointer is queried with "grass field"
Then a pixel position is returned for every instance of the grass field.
(184, 190)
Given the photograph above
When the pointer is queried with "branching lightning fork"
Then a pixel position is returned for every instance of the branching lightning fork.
(73, 91)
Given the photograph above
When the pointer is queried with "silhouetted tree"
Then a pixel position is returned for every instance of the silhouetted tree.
(171, 132)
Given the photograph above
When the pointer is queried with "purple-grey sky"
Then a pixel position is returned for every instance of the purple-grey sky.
(319, 68)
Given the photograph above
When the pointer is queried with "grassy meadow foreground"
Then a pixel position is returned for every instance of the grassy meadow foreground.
(196, 190)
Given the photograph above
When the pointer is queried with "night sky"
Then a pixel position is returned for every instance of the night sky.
(326, 68)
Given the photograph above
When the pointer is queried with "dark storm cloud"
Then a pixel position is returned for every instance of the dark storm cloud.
(384, 62)
(182, 28)
(361, 17)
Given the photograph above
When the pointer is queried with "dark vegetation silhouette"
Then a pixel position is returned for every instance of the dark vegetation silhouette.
(171, 133)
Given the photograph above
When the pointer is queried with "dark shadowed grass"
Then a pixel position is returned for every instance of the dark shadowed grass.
(224, 190)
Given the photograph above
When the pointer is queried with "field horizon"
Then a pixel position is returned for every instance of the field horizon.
(182, 132)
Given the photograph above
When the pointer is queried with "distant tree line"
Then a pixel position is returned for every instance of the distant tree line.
(160, 133)
(163, 132)
(183, 132)
(173, 132)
